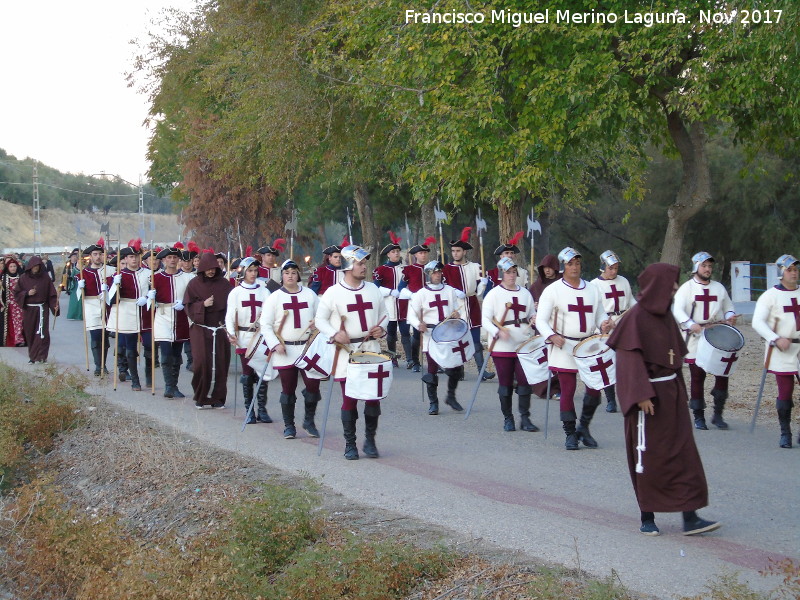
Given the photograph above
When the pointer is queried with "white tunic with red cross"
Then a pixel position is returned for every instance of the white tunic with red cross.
(125, 315)
(245, 304)
(616, 295)
(362, 308)
(513, 309)
(465, 278)
(296, 311)
(700, 303)
(777, 314)
(572, 312)
(431, 305)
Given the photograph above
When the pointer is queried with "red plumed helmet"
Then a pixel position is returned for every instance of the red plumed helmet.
(394, 238)
(248, 251)
(136, 245)
(345, 242)
(279, 244)
(194, 247)
(178, 245)
(209, 250)
(515, 240)
(465, 234)
(429, 241)
(101, 242)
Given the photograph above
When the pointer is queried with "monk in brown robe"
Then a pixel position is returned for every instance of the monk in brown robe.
(206, 301)
(663, 461)
(37, 296)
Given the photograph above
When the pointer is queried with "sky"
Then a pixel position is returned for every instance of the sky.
(64, 99)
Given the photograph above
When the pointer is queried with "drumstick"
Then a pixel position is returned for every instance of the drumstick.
(278, 333)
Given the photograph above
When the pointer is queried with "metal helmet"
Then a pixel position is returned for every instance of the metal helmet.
(608, 258)
(567, 254)
(784, 262)
(504, 264)
(351, 255)
(430, 267)
(247, 263)
(699, 258)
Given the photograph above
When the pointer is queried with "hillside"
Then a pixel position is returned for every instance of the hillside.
(61, 228)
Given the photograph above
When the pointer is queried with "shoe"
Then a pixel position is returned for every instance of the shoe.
(201, 406)
(434, 408)
(136, 387)
(525, 424)
(700, 423)
(649, 528)
(123, 376)
(454, 405)
(699, 525)
(251, 419)
(717, 420)
(584, 436)
(416, 368)
(487, 376)
(289, 433)
(611, 407)
(409, 364)
(571, 443)
(218, 405)
(786, 441)
(351, 452)
(508, 424)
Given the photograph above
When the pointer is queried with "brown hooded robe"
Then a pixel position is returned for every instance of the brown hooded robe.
(649, 346)
(205, 341)
(36, 319)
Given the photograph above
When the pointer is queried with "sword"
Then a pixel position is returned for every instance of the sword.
(549, 383)
(327, 407)
(485, 362)
(263, 372)
(761, 388)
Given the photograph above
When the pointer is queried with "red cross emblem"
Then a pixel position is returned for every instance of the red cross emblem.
(361, 308)
(729, 362)
(706, 298)
(295, 305)
(602, 367)
(252, 304)
(616, 295)
(380, 375)
(582, 310)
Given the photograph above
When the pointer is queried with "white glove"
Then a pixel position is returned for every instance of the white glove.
(395, 293)
(81, 283)
(117, 279)
(141, 301)
(406, 294)
(483, 281)
(178, 305)
(460, 295)
(103, 287)
(384, 291)
(151, 294)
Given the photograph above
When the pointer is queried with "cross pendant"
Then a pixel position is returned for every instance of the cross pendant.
(671, 356)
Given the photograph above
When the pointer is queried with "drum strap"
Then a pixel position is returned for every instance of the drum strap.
(665, 378)
(617, 313)
(515, 323)
(575, 339)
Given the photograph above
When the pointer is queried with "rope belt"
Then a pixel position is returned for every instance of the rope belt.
(640, 443)
(665, 378)
(40, 331)
(213, 331)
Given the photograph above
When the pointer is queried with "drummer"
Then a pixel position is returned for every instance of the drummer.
(286, 323)
(507, 315)
(570, 310)
(245, 303)
(429, 306)
(616, 295)
(698, 303)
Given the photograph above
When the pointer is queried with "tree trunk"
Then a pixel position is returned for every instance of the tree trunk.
(369, 234)
(509, 220)
(695, 189)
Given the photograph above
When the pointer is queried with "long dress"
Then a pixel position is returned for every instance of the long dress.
(75, 310)
(37, 307)
(668, 476)
(12, 313)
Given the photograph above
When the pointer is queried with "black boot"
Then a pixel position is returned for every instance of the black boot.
(247, 392)
(177, 361)
(405, 341)
(479, 363)
(720, 396)
(287, 408)
(148, 368)
(391, 346)
(371, 414)
(133, 369)
(311, 401)
(524, 403)
(590, 405)
(785, 420)
(611, 399)
(261, 398)
(453, 377)
(98, 364)
(504, 393)
(568, 419)
(698, 406)
(431, 381)
(189, 361)
(415, 343)
(122, 361)
(349, 418)
(169, 378)
(694, 524)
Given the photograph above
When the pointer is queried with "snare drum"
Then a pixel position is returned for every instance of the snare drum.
(256, 344)
(451, 344)
(316, 359)
(369, 376)
(258, 362)
(717, 349)
(532, 355)
(596, 362)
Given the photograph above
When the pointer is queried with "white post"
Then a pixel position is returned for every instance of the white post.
(772, 275)
(740, 280)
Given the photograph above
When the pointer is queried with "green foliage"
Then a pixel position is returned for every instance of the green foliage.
(33, 411)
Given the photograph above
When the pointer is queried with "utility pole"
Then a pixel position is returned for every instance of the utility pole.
(141, 209)
(37, 221)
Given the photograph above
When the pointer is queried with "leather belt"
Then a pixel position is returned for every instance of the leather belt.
(617, 313)
(297, 343)
(574, 339)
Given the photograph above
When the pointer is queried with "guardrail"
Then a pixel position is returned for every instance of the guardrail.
(749, 280)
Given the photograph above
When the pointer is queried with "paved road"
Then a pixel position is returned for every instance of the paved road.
(516, 490)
